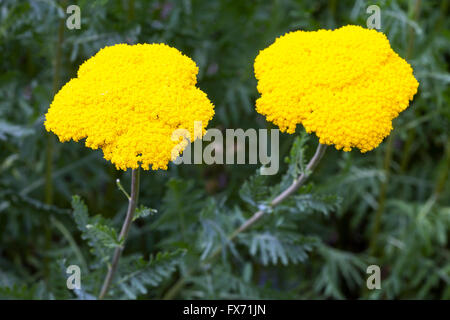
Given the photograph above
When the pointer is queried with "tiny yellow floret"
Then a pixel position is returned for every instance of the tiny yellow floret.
(128, 100)
(346, 85)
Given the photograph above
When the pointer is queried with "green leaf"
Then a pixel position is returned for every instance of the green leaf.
(309, 202)
(107, 236)
(100, 237)
(17, 292)
(296, 159)
(254, 190)
(80, 213)
(279, 247)
(143, 274)
(13, 130)
(143, 211)
(339, 266)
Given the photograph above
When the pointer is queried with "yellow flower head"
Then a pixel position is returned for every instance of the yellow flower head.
(345, 85)
(128, 100)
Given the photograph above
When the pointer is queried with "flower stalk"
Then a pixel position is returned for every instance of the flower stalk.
(320, 151)
(132, 204)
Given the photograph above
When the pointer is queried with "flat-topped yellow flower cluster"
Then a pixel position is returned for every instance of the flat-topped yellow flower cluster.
(128, 100)
(345, 85)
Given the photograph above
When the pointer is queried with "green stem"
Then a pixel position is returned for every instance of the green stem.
(50, 140)
(130, 10)
(407, 150)
(132, 204)
(382, 197)
(414, 13)
(442, 180)
(440, 183)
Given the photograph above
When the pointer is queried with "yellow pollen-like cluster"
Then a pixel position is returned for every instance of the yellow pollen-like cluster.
(346, 85)
(128, 100)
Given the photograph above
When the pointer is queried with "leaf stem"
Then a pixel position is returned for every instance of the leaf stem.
(121, 188)
(132, 204)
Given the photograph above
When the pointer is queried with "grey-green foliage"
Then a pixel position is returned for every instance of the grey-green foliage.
(338, 268)
(100, 237)
(7, 129)
(297, 158)
(419, 233)
(282, 247)
(142, 212)
(140, 274)
(313, 245)
(135, 274)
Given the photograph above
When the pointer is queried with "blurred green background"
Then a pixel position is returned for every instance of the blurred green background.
(389, 207)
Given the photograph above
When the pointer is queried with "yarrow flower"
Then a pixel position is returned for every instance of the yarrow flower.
(345, 85)
(128, 100)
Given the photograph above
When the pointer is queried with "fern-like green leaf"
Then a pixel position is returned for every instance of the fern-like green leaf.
(273, 248)
(143, 211)
(101, 238)
(255, 190)
(143, 274)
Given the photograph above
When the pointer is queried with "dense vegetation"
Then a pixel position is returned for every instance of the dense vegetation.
(60, 204)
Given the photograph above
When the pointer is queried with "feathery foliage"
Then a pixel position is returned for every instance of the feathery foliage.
(316, 244)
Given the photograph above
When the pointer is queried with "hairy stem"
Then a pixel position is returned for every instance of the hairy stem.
(132, 204)
(320, 151)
